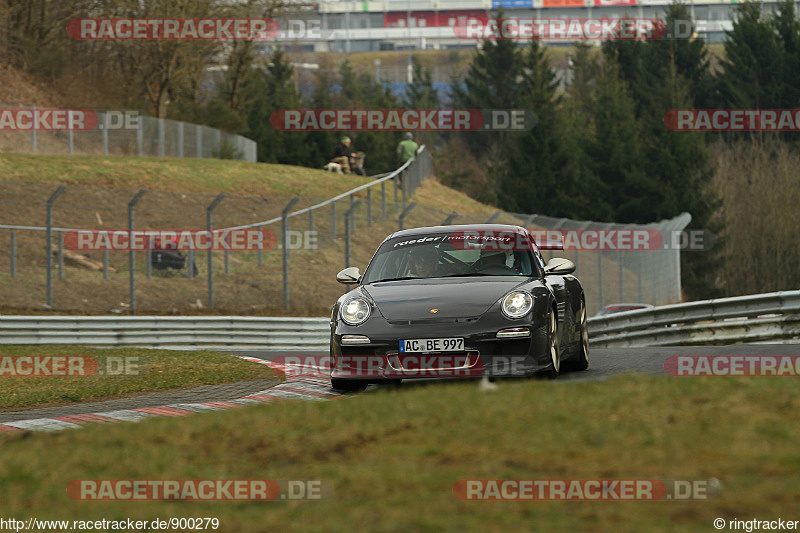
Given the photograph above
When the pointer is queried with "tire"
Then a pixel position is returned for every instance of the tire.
(349, 385)
(582, 361)
(553, 347)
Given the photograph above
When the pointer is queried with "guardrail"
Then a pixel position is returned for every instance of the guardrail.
(753, 318)
(267, 332)
(750, 318)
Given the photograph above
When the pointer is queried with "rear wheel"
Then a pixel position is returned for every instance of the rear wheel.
(582, 361)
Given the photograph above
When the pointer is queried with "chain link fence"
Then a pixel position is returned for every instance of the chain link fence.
(125, 133)
(311, 240)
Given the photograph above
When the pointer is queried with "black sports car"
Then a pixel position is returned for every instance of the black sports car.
(458, 301)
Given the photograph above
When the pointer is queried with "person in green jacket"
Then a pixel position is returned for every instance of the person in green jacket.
(407, 148)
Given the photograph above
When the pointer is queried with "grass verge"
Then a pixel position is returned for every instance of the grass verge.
(393, 457)
(120, 372)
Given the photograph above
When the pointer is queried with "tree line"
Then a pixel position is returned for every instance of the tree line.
(600, 149)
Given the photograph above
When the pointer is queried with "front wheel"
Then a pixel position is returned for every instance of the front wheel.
(553, 347)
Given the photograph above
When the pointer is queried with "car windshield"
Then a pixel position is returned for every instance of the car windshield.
(440, 256)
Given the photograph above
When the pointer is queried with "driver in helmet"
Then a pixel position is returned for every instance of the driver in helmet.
(491, 257)
(423, 262)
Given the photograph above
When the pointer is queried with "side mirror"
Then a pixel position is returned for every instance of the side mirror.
(349, 275)
(559, 266)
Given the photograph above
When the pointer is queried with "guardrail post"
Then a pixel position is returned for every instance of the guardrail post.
(347, 232)
(406, 211)
(285, 239)
(131, 253)
(13, 253)
(209, 225)
(449, 219)
(49, 212)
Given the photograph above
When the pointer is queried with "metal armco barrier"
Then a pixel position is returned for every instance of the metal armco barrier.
(750, 318)
(759, 317)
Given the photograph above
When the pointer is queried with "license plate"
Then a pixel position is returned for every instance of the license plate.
(454, 344)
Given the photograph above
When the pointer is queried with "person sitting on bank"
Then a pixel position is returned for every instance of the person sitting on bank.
(342, 155)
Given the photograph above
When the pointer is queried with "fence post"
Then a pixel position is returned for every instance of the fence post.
(227, 261)
(348, 217)
(449, 219)
(49, 212)
(383, 200)
(160, 137)
(71, 137)
(396, 184)
(369, 207)
(619, 267)
(61, 255)
(404, 186)
(600, 276)
(494, 217)
(105, 264)
(13, 253)
(140, 139)
(33, 135)
(180, 139)
(131, 253)
(105, 133)
(198, 141)
(148, 256)
(406, 211)
(285, 238)
(333, 221)
(190, 264)
(209, 225)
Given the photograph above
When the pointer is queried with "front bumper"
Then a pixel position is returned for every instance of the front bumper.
(484, 353)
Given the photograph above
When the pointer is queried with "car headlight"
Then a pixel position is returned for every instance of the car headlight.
(355, 311)
(517, 304)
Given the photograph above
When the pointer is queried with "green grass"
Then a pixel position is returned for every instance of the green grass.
(152, 370)
(170, 174)
(394, 456)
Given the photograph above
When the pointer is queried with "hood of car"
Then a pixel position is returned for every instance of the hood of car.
(449, 297)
